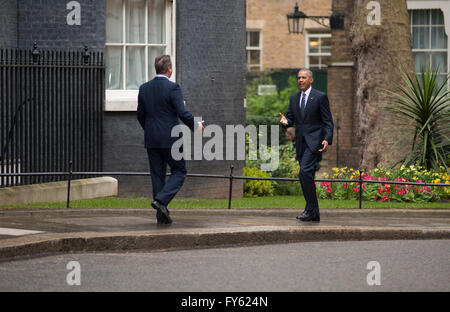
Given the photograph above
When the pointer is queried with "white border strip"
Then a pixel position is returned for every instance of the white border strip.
(17, 232)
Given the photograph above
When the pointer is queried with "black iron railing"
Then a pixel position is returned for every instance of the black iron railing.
(51, 112)
(70, 174)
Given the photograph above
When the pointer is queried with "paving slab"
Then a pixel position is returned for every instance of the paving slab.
(91, 230)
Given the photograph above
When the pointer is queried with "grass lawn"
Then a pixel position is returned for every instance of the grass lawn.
(270, 202)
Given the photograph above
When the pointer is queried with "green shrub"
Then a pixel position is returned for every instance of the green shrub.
(269, 105)
(256, 188)
(288, 167)
(267, 121)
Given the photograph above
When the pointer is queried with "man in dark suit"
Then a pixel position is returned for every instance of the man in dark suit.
(160, 106)
(309, 110)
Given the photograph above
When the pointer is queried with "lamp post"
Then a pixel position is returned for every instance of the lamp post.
(296, 20)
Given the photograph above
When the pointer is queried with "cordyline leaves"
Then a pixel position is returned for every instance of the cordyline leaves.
(424, 105)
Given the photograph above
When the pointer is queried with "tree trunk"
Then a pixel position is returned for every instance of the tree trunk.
(382, 53)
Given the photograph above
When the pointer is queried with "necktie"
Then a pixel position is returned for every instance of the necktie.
(303, 104)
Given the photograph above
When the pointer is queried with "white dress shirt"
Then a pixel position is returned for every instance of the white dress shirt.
(307, 92)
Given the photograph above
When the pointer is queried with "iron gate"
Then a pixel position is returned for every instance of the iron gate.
(51, 113)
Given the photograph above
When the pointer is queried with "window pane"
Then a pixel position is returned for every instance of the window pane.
(420, 37)
(439, 60)
(135, 67)
(438, 38)
(254, 39)
(114, 21)
(440, 80)
(313, 45)
(325, 45)
(254, 57)
(421, 17)
(135, 14)
(113, 64)
(437, 17)
(157, 21)
(421, 59)
(314, 60)
(153, 52)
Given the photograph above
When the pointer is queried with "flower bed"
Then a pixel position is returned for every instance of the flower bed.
(385, 192)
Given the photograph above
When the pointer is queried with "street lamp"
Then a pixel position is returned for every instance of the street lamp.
(296, 20)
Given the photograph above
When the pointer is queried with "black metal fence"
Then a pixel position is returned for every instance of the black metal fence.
(51, 105)
(70, 174)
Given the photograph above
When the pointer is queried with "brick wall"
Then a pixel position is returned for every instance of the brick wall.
(211, 72)
(45, 21)
(344, 151)
(279, 48)
(8, 23)
(210, 69)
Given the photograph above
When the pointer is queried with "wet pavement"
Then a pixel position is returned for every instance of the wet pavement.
(39, 232)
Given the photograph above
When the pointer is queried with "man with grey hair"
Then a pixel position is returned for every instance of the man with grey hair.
(309, 110)
(160, 106)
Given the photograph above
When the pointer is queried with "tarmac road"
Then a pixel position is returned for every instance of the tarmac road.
(404, 265)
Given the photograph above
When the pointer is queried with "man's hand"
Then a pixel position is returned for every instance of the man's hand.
(325, 146)
(283, 120)
(200, 126)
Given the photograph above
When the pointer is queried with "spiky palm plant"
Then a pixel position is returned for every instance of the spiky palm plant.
(425, 105)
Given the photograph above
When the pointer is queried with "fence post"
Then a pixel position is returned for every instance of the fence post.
(231, 187)
(68, 184)
(360, 189)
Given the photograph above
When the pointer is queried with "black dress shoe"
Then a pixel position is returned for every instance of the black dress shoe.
(161, 219)
(163, 211)
(301, 215)
(310, 217)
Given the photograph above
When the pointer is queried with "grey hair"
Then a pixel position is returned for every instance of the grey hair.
(306, 70)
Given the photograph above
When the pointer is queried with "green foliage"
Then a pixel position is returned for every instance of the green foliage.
(288, 168)
(267, 121)
(269, 105)
(255, 188)
(425, 105)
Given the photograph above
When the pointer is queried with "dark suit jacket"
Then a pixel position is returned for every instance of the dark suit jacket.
(317, 124)
(160, 106)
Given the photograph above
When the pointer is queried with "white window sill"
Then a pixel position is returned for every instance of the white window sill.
(121, 101)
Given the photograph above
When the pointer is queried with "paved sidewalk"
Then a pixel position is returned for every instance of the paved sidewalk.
(43, 232)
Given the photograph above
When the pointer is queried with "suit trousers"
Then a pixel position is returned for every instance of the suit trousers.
(309, 164)
(164, 191)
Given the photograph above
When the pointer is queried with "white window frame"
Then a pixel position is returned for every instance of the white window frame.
(254, 48)
(310, 35)
(444, 6)
(126, 100)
